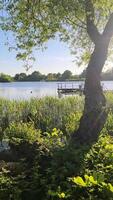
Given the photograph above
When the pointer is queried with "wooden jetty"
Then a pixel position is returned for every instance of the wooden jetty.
(69, 88)
(72, 88)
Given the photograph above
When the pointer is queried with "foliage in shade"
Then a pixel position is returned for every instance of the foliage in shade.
(43, 162)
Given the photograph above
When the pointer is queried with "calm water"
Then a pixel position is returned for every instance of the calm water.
(26, 90)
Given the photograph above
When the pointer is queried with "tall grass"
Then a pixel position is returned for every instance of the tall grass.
(45, 113)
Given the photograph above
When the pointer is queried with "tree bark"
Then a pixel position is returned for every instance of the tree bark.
(94, 115)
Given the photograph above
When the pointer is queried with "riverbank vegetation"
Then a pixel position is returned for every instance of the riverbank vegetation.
(41, 160)
(65, 76)
(37, 76)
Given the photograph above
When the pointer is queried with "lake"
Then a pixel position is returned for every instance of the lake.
(27, 90)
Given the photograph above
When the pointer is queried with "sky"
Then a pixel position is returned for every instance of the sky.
(56, 58)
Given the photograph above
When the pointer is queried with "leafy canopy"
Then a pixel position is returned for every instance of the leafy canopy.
(34, 22)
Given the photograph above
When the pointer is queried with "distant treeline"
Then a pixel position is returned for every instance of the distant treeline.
(108, 75)
(65, 76)
(37, 76)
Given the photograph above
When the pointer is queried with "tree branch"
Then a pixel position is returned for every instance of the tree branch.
(108, 31)
(80, 23)
(73, 23)
(91, 27)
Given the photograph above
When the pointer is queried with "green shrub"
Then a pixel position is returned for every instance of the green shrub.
(22, 131)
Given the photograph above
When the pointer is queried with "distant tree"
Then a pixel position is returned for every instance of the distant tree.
(75, 77)
(5, 78)
(16, 77)
(50, 77)
(58, 76)
(35, 76)
(43, 77)
(66, 75)
(20, 77)
(83, 74)
(108, 75)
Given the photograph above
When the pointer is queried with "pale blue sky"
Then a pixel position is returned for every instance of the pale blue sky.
(56, 58)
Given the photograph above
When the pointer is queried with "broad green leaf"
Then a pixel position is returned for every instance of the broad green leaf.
(79, 181)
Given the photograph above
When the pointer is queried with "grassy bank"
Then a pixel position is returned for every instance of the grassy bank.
(42, 162)
(45, 114)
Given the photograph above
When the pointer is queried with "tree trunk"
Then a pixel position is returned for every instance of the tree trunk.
(94, 115)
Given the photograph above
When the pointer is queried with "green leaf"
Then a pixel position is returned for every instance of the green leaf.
(62, 195)
(79, 181)
(110, 187)
(90, 179)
